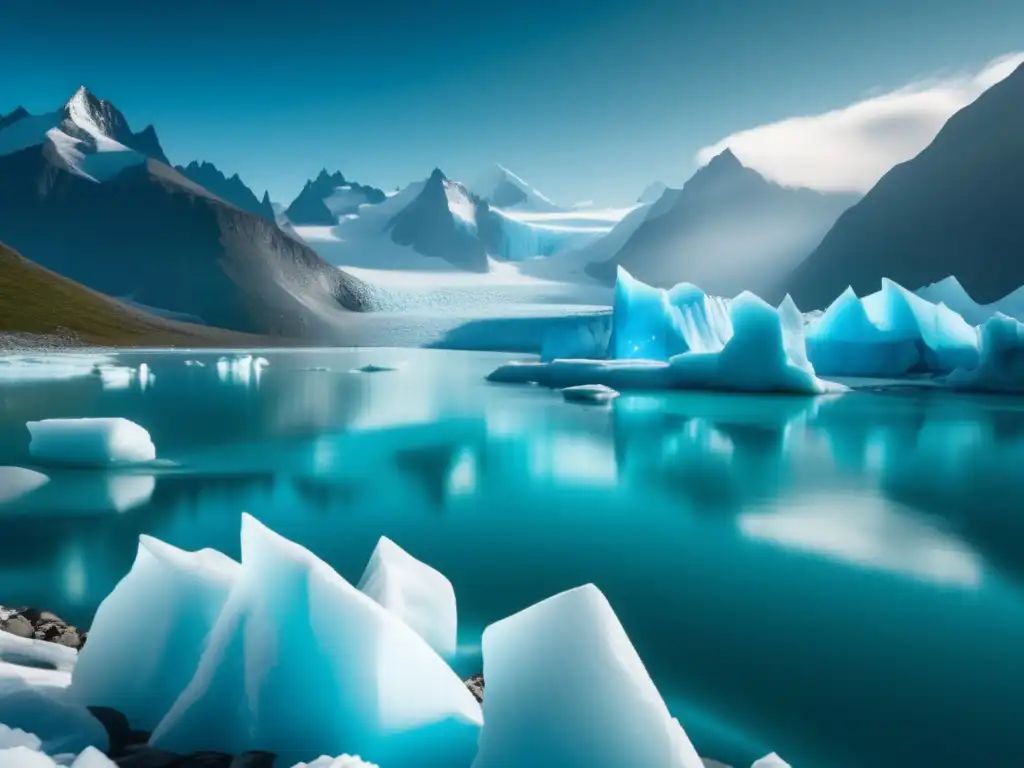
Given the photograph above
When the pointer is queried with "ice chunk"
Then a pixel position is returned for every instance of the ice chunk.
(770, 761)
(36, 662)
(374, 368)
(576, 337)
(241, 369)
(302, 664)
(1001, 366)
(793, 332)
(28, 368)
(194, 364)
(15, 737)
(538, 662)
(653, 324)
(61, 724)
(890, 333)
(344, 761)
(589, 393)
(90, 442)
(24, 757)
(149, 633)
(416, 593)
(16, 482)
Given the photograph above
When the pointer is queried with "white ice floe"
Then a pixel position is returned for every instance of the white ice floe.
(16, 482)
(589, 393)
(90, 442)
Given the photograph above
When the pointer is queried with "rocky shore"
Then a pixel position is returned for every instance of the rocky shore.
(128, 747)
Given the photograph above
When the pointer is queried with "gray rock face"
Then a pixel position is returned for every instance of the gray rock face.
(41, 625)
(310, 208)
(231, 190)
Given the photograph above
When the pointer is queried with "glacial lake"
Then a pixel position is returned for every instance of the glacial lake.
(840, 580)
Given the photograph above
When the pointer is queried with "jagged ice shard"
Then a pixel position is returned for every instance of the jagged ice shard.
(538, 661)
(684, 339)
(1001, 365)
(148, 634)
(302, 664)
(890, 333)
(414, 592)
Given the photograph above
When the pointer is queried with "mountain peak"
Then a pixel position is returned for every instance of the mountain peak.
(437, 175)
(725, 159)
(18, 114)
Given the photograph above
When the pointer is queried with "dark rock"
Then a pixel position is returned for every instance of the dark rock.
(476, 686)
(18, 625)
(119, 732)
(254, 759)
(147, 757)
(205, 760)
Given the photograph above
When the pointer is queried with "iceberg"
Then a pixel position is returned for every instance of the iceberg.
(148, 634)
(414, 592)
(889, 334)
(241, 369)
(15, 737)
(302, 664)
(1001, 364)
(682, 339)
(90, 442)
(537, 662)
(16, 482)
(653, 324)
(589, 393)
(575, 337)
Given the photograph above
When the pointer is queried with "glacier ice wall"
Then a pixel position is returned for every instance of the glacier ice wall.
(577, 337)
(1001, 364)
(302, 664)
(890, 333)
(575, 640)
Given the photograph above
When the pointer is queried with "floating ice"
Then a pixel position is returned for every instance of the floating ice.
(770, 761)
(419, 595)
(344, 761)
(61, 724)
(24, 757)
(763, 350)
(372, 368)
(1001, 365)
(653, 324)
(16, 482)
(302, 664)
(36, 662)
(90, 442)
(122, 377)
(28, 368)
(148, 634)
(890, 333)
(589, 393)
(242, 369)
(577, 337)
(194, 364)
(538, 662)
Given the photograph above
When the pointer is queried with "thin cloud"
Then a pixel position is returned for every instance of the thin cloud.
(849, 149)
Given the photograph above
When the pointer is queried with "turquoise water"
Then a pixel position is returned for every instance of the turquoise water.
(840, 580)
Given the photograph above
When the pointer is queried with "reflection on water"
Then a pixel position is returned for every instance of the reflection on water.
(837, 579)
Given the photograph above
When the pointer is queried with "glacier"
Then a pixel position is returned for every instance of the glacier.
(685, 339)
(413, 591)
(90, 442)
(1001, 364)
(577, 337)
(148, 634)
(303, 664)
(891, 333)
(537, 662)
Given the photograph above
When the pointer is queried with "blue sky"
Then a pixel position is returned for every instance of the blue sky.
(586, 99)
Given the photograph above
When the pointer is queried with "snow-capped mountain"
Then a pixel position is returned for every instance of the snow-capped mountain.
(727, 230)
(954, 209)
(329, 197)
(501, 188)
(87, 136)
(231, 190)
(108, 215)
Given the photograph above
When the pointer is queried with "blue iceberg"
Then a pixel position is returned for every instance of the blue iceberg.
(684, 339)
(1001, 364)
(891, 333)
